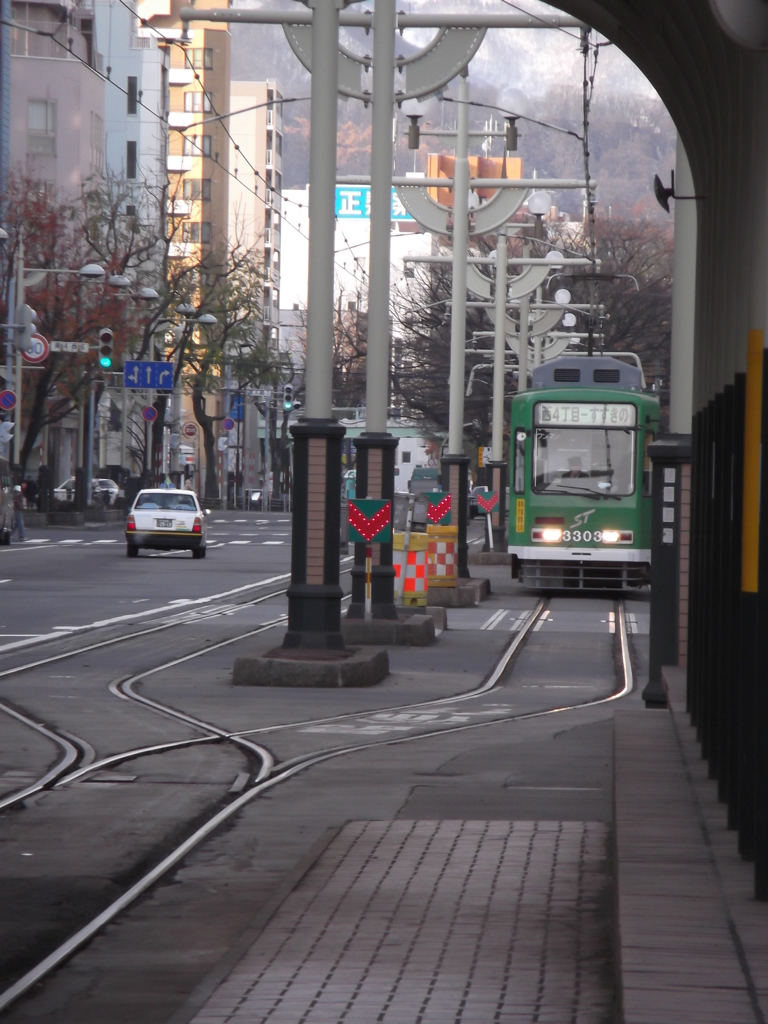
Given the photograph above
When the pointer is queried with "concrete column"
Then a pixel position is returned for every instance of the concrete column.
(498, 466)
(375, 447)
(459, 273)
(377, 359)
(322, 191)
(683, 299)
(314, 595)
(455, 466)
(499, 348)
(522, 358)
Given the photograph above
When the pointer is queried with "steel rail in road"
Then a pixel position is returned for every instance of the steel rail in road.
(74, 748)
(287, 769)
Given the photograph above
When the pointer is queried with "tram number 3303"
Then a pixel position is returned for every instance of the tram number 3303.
(578, 536)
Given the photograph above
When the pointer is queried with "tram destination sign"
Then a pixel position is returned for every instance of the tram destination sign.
(586, 414)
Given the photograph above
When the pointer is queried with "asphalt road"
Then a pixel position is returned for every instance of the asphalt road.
(63, 579)
(70, 851)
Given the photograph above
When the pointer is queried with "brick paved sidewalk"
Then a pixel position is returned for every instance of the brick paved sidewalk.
(433, 922)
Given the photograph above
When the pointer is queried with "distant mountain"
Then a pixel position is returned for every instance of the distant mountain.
(631, 134)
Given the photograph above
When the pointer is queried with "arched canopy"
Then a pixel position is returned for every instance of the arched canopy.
(715, 92)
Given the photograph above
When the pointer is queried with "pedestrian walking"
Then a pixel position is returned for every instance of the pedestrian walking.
(18, 513)
(31, 493)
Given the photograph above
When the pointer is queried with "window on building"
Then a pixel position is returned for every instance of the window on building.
(278, 181)
(352, 306)
(131, 163)
(196, 232)
(207, 145)
(270, 139)
(41, 126)
(196, 189)
(133, 94)
(197, 102)
(191, 145)
(202, 60)
(279, 143)
(406, 456)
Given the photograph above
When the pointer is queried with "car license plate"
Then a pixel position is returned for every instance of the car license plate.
(164, 524)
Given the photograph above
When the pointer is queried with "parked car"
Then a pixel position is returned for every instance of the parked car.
(103, 490)
(166, 519)
(6, 502)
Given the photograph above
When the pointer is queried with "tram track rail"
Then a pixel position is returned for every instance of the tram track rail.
(273, 772)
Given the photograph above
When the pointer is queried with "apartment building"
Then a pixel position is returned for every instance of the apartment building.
(57, 93)
(197, 160)
(255, 190)
(136, 59)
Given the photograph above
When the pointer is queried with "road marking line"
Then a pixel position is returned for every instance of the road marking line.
(71, 541)
(238, 542)
(265, 542)
(6, 581)
(496, 617)
(105, 541)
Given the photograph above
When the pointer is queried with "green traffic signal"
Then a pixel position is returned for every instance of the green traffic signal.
(106, 348)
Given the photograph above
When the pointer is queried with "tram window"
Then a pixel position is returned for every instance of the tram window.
(647, 467)
(584, 460)
(519, 462)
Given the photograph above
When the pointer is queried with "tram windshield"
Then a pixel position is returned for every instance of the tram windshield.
(584, 460)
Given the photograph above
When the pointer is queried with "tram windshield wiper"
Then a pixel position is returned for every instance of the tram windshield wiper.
(575, 489)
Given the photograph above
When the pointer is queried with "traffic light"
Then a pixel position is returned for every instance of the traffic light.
(25, 318)
(288, 397)
(106, 348)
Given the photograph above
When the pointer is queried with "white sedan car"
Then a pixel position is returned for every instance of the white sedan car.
(166, 520)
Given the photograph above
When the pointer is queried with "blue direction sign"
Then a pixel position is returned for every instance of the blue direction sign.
(148, 376)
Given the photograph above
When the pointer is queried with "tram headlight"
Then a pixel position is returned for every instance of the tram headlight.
(547, 534)
(551, 535)
(617, 536)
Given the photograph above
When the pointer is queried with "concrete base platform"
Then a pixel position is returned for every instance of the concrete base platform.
(281, 667)
(414, 631)
(466, 594)
(489, 558)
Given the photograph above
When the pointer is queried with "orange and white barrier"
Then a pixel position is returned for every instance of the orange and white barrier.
(414, 562)
(443, 543)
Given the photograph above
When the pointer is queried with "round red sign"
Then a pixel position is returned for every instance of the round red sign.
(40, 349)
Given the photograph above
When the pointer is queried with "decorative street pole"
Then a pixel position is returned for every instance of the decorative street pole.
(375, 447)
(314, 595)
(455, 465)
(498, 466)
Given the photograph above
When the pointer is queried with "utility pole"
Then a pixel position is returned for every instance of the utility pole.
(19, 364)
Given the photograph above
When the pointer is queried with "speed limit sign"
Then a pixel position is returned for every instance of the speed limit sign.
(39, 349)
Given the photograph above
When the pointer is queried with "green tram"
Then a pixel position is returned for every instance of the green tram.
(580, 480)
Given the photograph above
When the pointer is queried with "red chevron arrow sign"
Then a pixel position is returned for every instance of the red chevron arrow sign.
(488, 501)
(439, 508)
(370, 521)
